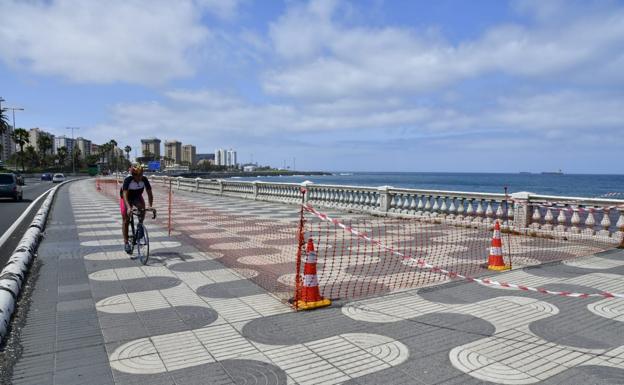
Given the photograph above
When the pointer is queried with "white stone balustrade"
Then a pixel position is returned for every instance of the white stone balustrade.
(540, 213)
(577, 216)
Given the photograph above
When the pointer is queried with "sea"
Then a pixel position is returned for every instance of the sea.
(573, 185)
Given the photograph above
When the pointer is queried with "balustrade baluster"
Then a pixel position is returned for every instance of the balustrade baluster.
(620, 226)
(413, 205)
(396, 203)
(420, 207)
(350, 199)
(575, 221)
(460, 209)
(489, 212)
(500, 213)
(590, 223)
(371, 200)
(452, 209)
(605, 223)
(469, 212)
(359, 200)
(510, 214)
(479, 213)
(443, 208)
(406, 203)
(548, 218)
(561, 220)
(435, 208)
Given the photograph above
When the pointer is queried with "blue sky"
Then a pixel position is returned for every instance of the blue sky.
(373, 85)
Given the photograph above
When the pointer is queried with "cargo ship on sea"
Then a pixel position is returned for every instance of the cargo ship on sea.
(559, 172)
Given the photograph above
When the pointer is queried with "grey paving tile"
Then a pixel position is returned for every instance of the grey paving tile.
(76, 304)
(253, 372)
(97, 374)
(129, 331)
(199, 375)
(81, 357)
(38, 379)
(143, 379)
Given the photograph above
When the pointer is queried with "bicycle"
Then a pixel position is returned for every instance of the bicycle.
(139, 237)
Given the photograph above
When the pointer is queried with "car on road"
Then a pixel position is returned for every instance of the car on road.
(57, 178)
(46, 176)
(11, 186)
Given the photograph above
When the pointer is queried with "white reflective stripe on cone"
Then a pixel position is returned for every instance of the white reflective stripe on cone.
(496, 234)
(310, 280)
(310, 257)
(496, 251)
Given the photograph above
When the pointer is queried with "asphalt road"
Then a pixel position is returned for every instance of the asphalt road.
(11, 210)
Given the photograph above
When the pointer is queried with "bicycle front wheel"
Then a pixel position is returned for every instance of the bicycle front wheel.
(143, 245)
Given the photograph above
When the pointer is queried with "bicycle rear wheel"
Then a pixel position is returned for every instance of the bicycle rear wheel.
(143, 246)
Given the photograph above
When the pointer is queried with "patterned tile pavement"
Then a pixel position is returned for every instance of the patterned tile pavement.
(98, 317)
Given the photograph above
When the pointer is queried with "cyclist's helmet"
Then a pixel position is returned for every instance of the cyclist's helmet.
(136, 169)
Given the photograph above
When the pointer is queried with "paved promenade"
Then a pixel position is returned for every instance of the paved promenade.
(94, 316)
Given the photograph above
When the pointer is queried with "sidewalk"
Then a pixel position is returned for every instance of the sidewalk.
(97, 317)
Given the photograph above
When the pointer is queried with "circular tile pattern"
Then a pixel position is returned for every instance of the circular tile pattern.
(254, 372)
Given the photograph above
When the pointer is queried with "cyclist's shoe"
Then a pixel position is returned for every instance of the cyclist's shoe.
(140, 233)
(128, 248)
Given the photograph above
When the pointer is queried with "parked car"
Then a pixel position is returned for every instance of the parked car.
(57, 178)
(11, 186)
(46, 176)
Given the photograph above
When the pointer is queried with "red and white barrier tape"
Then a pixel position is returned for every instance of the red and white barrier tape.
(422, 264)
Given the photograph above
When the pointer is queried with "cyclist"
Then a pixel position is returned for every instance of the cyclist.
(131, 194)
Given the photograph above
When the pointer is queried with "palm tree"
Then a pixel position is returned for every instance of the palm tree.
(44, 143)
(21, 137)
(127, 149)
(103, 153)
(76, 156)
(62, 155)
(31, 155)
(113, 158)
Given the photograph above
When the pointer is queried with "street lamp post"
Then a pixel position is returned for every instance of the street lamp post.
(13, 109)
(73, 155)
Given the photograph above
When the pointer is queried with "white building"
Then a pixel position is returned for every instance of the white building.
(231, 158)
(225, 157)
(84, 145)
(63, 141)
(33, 139)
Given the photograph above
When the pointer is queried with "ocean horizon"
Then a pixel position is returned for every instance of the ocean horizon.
(576, 185)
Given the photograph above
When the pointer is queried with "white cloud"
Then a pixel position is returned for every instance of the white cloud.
(209, 117)
(325, 59)
(224, 9)
(135, 41)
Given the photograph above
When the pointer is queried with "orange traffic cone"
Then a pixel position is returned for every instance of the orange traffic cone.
(495, 260)
(310, 295)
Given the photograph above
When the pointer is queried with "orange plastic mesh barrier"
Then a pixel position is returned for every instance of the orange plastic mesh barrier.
(260, 241)
(351, 266)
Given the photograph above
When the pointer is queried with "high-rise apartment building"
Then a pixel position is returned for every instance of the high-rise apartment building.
(189, 154)
(8, 145)
(84, 146)
(173, 151)
(151, 147)
(33, 139)
(225, 157)
(220, 157)
(63, 141)
(230, 159)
